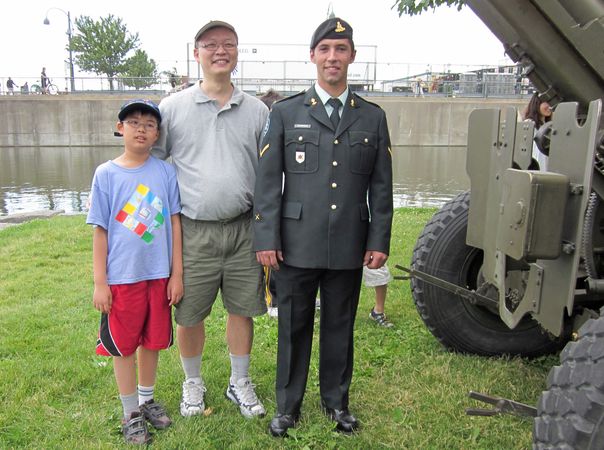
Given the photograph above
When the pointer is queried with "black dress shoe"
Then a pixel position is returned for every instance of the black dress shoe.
(345, 422)
(281, 423)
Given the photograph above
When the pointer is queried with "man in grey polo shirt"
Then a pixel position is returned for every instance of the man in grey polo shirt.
(212, 131)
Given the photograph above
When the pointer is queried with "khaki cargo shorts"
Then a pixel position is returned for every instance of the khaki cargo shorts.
(218, 256)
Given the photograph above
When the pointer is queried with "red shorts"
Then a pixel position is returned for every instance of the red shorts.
(140, 315)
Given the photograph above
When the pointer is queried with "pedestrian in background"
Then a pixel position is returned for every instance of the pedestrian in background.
(44, 81)
(378, 279)
(270, 97)
(540, 112)
(10, 86)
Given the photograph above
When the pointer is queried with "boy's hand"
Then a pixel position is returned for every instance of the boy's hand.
(102, 298)
(175, 290)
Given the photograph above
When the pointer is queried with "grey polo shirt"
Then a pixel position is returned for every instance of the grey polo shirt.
(214, 150)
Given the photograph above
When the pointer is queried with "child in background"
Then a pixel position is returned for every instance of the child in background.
(378, 279)
(137, 262)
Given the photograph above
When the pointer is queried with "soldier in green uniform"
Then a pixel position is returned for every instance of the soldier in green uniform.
(322, 210)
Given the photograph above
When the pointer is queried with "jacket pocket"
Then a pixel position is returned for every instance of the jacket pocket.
(364, 212)
(291, 210)
(363, 148)
(301, 151)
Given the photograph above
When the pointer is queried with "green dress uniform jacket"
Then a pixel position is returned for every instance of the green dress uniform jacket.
(324, 196)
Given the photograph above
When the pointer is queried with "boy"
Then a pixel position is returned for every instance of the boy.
(137, 262)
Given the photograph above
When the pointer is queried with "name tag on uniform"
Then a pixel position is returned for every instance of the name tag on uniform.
(301, 125)
(300, 156)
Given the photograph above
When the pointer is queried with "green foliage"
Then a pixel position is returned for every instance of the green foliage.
(141, 72)
(413, 7)
(101, 46)
(407, 391)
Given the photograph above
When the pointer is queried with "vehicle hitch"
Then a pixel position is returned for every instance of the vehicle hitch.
(502, 406)
(472, 296)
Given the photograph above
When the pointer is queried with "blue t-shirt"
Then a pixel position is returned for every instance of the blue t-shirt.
(135, 207)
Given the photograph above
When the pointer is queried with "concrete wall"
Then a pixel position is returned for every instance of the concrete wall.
(89, 120)
(60, 120)
(434, 121)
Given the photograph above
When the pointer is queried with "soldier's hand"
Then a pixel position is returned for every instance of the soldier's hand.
(374, 259)
(270, 258)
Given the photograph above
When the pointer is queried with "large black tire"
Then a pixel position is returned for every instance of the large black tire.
(441, 250)
(570, 414)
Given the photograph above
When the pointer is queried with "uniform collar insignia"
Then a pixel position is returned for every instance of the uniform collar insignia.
(352, 101)
(313, 101)
(339, 27)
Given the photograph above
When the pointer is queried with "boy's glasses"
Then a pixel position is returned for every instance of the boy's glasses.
(149, 126)
(213, 46)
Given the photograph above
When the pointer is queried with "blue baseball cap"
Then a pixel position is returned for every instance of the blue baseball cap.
(142, 105)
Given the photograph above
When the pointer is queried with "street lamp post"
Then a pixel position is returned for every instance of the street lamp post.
(47, 22)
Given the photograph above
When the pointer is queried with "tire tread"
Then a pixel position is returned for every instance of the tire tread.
(444, 235)
(571, 411)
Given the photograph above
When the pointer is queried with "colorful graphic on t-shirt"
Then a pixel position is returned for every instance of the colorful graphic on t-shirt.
(143, 213)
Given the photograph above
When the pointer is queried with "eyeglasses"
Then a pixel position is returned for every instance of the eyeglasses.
(149, 126)
(213, 46)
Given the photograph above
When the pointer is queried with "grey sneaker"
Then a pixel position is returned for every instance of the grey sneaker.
(380, 319)
(155, 414)
(243, 395)
(135, 430)
(192, 398)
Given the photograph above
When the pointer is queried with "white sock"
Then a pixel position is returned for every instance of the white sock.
(192, 367)
(240, 366)
(145, 393)
(129, 404)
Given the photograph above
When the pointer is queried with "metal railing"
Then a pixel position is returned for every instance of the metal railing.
(507, 87)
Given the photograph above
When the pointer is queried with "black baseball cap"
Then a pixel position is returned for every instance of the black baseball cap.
(139, 104)
(215, 24)
(334, 28)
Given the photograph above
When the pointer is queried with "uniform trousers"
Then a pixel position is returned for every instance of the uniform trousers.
(297, 291)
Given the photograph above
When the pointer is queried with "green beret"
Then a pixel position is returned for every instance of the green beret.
(334, 28)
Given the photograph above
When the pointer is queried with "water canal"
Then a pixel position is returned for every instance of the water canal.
(58, 178)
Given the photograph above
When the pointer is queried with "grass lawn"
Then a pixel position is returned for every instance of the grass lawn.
(407, 391)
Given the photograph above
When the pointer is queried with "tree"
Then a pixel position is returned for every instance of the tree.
(141, 72)
(413, 7)
(101, 46)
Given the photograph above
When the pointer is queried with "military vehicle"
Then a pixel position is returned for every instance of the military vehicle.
(516, 265)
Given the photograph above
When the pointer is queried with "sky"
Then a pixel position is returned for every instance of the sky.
(438, 39)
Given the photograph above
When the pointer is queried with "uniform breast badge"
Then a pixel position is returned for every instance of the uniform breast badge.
(300, 157)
